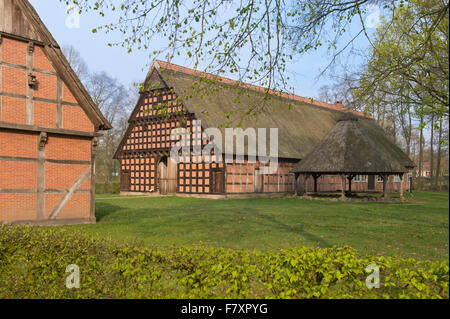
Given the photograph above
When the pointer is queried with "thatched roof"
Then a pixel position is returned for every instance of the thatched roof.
(355, 145)
(18, 18)
(301, 122)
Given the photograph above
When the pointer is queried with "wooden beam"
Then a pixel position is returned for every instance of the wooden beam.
(315, 176)
(40, 214)
(94, 144)
(30, 90)
(17, 37)
(59, 100)
(350, 178)
(38, 129)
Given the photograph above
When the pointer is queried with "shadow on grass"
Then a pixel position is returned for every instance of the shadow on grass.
(297, 229)
(102, 210)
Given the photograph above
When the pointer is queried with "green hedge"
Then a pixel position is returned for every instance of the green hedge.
(105, 188)
(33, 263)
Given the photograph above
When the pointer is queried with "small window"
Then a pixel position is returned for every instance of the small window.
(360, 179)
(397, 179)
(379, 179)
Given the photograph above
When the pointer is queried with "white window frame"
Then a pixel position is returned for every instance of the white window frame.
(361, 179)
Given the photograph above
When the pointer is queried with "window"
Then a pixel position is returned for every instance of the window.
(360, 179)
(379, 179)
(397, 179)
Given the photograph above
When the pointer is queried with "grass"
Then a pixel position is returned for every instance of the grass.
(418, 229)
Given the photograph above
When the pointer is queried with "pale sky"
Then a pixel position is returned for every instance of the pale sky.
(132, 67)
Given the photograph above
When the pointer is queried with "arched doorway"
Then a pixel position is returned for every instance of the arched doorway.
(167, 175)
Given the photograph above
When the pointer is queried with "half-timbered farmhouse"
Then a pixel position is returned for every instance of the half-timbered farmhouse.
(48, 126)
(175, 96)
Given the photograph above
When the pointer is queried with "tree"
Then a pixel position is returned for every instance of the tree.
(115, 101)
(407, 71)
(253, 39)
(76, 62)
(409, 58)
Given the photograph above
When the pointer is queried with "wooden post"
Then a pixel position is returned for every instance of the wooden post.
(40, 178)
(30, 90)
(401, 185)
(94, 144)
(350, 178)
(315, 176)
(296, 183)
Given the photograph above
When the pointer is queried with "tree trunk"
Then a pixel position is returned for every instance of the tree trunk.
(409, 133)
(432, 150)
(421, 148)
(438, 164)
(343, 186)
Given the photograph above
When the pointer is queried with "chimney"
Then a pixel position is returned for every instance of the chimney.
(339, 104)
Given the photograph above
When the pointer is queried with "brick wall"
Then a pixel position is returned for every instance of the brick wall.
(14, 80)
(18, 144)
(17, 207)
(40, 60)
(64, 148)
(62, 176)
(44, 114)
(64, 159)
(74, 118)
(77, 207)
(17, 175)
(46, 86)
(13, 110)
(14, 77)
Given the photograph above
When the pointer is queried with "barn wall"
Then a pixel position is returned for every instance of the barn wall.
(241, 178)
(39, 172)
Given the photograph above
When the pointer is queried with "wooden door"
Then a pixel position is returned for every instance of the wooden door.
(167, 176)
(218, 182)
(172, 175)
(125, 181)
(259, 181)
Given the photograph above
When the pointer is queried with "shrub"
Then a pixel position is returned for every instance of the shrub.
(107, 188)
(33, 263)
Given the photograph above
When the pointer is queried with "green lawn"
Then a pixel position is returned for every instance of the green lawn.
(418, 229)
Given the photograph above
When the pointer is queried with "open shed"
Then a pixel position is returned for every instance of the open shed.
(354, 146)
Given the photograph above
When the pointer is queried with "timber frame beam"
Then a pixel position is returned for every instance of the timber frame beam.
(39, 129)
